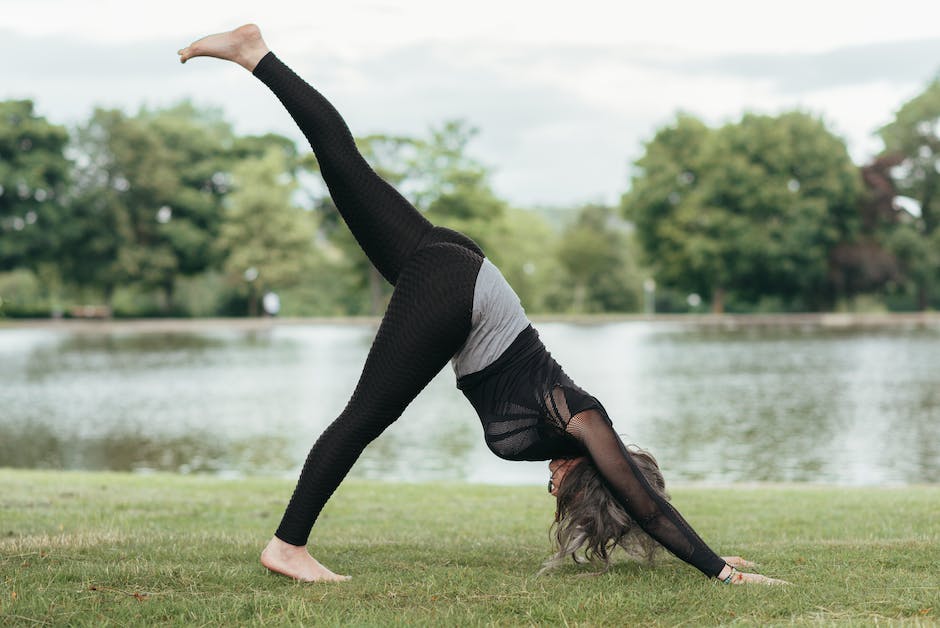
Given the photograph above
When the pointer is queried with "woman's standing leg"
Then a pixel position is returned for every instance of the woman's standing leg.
(427, 321)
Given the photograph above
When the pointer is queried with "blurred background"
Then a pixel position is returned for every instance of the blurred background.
(612, 158)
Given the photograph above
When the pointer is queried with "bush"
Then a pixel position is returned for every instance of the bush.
(22, 295)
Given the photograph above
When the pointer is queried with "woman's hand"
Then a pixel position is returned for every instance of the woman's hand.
(743, 577)
(739, 563)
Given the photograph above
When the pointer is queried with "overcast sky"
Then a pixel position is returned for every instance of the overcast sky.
(564, 93)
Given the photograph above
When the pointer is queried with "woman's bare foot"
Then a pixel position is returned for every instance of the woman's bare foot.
(243, 45)
(296, 562)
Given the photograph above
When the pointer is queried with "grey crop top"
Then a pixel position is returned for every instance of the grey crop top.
(497, 319)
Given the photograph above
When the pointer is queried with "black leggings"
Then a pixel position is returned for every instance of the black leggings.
(434, 272)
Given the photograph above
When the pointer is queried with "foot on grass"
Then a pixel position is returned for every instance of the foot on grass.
(296, 562)
(243, 46)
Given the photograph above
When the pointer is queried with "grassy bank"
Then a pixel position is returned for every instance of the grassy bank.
(810, 320)
(88, 548)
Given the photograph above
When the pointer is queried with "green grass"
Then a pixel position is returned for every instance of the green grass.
(94, 549)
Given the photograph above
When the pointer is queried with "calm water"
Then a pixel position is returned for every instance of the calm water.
(855, 407)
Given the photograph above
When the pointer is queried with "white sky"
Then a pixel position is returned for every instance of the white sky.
(564, 93)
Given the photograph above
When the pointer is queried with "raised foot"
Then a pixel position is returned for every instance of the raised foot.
(243, 46)
(296, 562)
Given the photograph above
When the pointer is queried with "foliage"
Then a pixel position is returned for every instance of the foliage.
(523, 246)
(21, 294)
(34, 175)
(765, 213)
(600, 273)
(752, 207)
(452, 189)
(148, 201)
(865, 263)
(913, 138)
(266, 240)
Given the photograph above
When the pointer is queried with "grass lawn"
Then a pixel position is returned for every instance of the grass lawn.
(98, 549)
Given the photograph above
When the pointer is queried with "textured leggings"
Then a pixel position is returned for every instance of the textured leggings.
(433, 270)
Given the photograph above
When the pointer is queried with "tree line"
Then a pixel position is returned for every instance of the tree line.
(169, 212)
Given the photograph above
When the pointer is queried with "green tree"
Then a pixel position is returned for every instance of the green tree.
(752, 208)
(267, 240)
(453, 188)
(394, 158)
(600, 275)
(441, 180)
(661, 203)
(148, 198)
(918, 255)
(914, 135)
(34, 175)
(523, 247)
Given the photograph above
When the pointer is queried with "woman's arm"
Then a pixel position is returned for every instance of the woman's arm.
(655, 515)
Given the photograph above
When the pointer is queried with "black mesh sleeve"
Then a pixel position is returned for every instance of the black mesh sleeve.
(648, 507)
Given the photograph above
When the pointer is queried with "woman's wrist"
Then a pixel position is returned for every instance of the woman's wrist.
(726, 574)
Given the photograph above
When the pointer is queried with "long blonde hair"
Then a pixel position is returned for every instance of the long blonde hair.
(590, 522)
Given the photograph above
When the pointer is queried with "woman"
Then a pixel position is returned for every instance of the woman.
(451, 303)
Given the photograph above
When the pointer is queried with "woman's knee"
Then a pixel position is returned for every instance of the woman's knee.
(434, 259)
(442, 235)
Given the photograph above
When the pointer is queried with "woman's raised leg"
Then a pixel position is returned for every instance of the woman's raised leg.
(388, 228)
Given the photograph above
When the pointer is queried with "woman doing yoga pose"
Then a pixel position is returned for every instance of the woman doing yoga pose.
(451, 304)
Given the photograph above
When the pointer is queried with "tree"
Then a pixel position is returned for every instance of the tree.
(751, 208)
(267, 240)
(600, 275)
(918, 254)
(865, 263)
(914, 136)
(454, 188)
(34, 175)
(148, 198)
(438, 177)
(524, 248)
(661, 203)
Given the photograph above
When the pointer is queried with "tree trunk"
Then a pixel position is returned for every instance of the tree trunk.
(923, 297)
(718, 301)
(580, 296)
(253, 304)
(168, 296)
(375, 292)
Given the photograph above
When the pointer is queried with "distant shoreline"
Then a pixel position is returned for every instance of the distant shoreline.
(908, 320)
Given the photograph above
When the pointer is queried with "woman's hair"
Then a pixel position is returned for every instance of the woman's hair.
(589, 521)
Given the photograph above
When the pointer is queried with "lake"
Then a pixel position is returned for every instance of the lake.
(800, 402)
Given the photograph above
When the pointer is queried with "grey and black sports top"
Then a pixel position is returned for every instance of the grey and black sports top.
(497, 320)
(521, 394)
